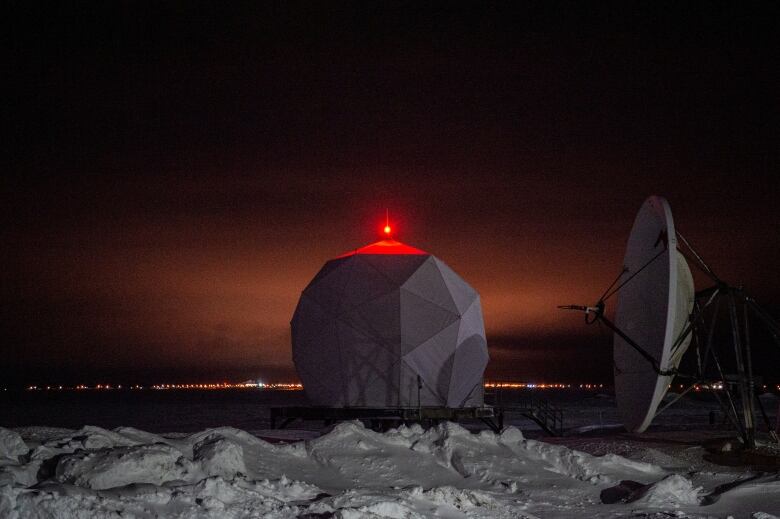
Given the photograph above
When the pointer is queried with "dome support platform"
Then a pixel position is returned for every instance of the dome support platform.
(548, 418)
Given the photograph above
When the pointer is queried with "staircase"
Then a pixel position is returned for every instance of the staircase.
(541, 411)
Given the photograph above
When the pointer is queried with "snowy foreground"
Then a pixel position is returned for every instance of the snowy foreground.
(354, 472)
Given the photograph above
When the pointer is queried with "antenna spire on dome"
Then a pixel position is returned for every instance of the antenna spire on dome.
(387, 230)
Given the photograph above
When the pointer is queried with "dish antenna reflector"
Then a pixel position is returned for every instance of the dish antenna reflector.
(652, 309)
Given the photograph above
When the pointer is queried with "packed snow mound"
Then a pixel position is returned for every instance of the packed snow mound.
(351, 471)
(674, 490)
(219, 456)
(11, 444)
(156, 463)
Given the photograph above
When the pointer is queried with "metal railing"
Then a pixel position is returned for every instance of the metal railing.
(541, 411)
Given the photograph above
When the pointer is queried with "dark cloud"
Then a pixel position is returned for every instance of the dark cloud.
(175, 175)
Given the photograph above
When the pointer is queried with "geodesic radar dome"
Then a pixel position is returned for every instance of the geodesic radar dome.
(389, 325)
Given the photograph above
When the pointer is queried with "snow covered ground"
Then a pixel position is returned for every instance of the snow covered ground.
(351, 472)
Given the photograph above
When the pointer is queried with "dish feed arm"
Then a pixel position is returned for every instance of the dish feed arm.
(596, 313)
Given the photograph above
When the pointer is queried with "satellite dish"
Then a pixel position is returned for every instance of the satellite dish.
(654, 323)
(653, 309)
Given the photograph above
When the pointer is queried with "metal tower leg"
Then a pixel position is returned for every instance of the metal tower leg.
(744, 392)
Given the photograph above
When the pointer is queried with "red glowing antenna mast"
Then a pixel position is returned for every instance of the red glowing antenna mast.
(387, 228)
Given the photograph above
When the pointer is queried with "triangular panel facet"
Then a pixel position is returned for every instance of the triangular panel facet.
(471, 358)
(397, 268)
(471, 322)
(328, 290)
(366, 365)
(309, 320)
(433, 359)
(364, 284)
(427, 282)
(320, 393)
(379, 319)
(326, 269)
(317, 354)
(421, 319)
(461, 292)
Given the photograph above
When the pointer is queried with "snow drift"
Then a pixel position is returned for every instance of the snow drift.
(349, 472)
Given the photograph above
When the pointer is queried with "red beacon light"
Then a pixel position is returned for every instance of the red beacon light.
(387, 245)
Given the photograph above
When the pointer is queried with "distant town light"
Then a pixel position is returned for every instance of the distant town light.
(297, 386)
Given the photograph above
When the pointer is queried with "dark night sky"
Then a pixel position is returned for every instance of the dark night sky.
(174, 176)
